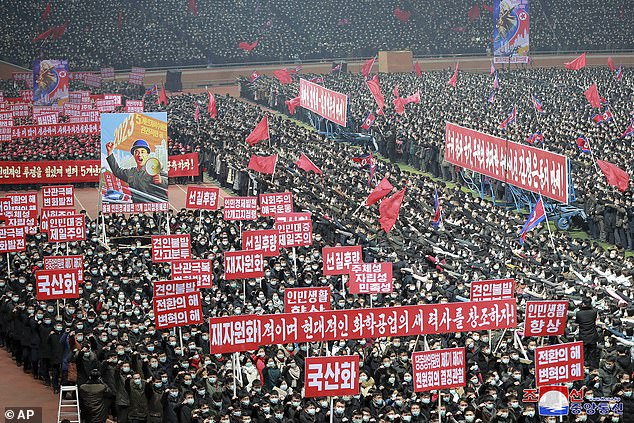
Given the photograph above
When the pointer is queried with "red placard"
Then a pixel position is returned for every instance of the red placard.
(178, 310)
(559, 363)
(46, 119)
(248, 332)
(26, 96)
(6, 133)
(205, 198)
(264, 240)
(183, 165)
(523, 166)
(331, 376)
(198, 270)
(67, 228)
(12, 239)
(92, 80)
(241, 208)
(6, 115)
(495, 289)
(326, 103)
(107, 72)
(276, 203)
(306, 300)
(78, 97)
(56, 284)
(58, 130)
(134, 106)
(438, 369)
(65, 262)
(167, 288)
(171, 247)
(136, 76)
(371, 278)
(545, 318)
(20, 209)
(337, 260)
(243, 264)
(294, 229)
(58, 196)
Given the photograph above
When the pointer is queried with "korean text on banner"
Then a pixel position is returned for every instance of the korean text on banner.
(171, 247)
(337, 260)
(56, 284)
(241, 208)
(204, 198)
(511, 31)
(58, 196)
(173, 287)
(294, 229)
(495, 289)
(276, 203)
(545, 318)
(47, 213)
(326, 103)
(12, 239)
(264, 240)
(50, 82)
(439, 369)
(331, 376)
(243, 333)
(198, 270)
(306, 300)
(371, 278)
(243, 264)
(66, 262)
(178, 310)
(67, 228)
(559, 364)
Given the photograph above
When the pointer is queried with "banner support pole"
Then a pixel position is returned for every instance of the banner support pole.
(180, 336)
(295, 261)
(167, 223)
(8, 266)
(439, 397)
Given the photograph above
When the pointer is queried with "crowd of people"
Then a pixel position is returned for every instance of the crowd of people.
(179, 32)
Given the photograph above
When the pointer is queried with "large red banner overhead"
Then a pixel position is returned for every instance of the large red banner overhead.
(54, 130)
(198, 270)
(545, 318)
(559, 364)
(439, 369)
(183, 165)
(306, 300)
(495, 289)
(326, 103)
(56, 284)
(337, 260)
(249, 332)
(523, 166)
(264, 240)
(331, 376)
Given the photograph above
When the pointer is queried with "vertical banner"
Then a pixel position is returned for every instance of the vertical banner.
(134, 162)
(50, 82)
(510, 31)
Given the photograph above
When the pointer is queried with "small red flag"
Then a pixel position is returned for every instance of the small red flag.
(307, 165)
(488, 7)
(611, 64)
(120, 20)
(473, 13)
(59, 30)
(389, 210)
(283, 76)
(381, 190)
(419, 72)
(592, 94)
(191, 6)
(47, 12)
(248, 46)
(260, 132)
(454, 79)
(263, 164)
(211, 107)
(578, 63)
(367, 67)
(402, 15)
(375, 89)
(292, 104)
(162, 99)
(43, 35)
(196, 113)
(614, 175)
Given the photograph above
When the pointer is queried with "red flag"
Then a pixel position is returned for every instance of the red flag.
(473, 13)
(292, 103)
(47, 11)
(399, 106)
(375, 89)
(402, 15)
(263, 164)
(196, 113)
(283, 76)
(211, 107)
(419, 73)
(162, 99)
(578, 63)
(454, 79)
(611, 64)
(488, 8)
(389, 210)
(367, 67)
(43, 35)
(120, 20)
(58, 31)
(592, 94)
(248, 47)
(615, 176)
(260, 132)
(381, 190)
(306, 164)
(191, 6)
(414, 98)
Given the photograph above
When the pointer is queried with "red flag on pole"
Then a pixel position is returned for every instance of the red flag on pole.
(473, 13)
(59, 30)
(419, 73)
(260, 132)
(592, 94)
(454, 79)
(120, 20)
(263, 164)
(162, 99)
(43, 35)
(46, 13)
(381, 190)
(402, 15)
(292, 104)
(307, 165)
(614, 175)
(191, 6)
(283, 76)
(367, 67)
(611, 64)
(375, 89)
(211, 107)
(196, 113)
(248, 46)
(578, 63)
(389, 210)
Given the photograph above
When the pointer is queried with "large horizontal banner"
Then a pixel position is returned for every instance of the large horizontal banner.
(249, 332)
(523, 166)
(54, 130)
(326, 103)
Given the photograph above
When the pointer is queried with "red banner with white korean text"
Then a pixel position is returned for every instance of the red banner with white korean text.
(264, 240)
(46, 214)
(243, 264)
(331, 376)
(326, 103)
(46, 119)
(134, 106)
(495, 289)
(204, 198)
(107, 72)
(559, 364)
(171, 247)
(67, 228)
(173, 287)
(20, 209)
(371, 278)
(58, 196)
(276, 203)
(178, 310)
(294, 229)
(545, 318)
(5, 130)
(54, 130)
(198, 270)
(65, 262)
(249, 332)
(183, 165)
(306, 300)
(12, 239)
(337, 260)
(523, 166)
(439, 369)
(241, 208)
(56, 284)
